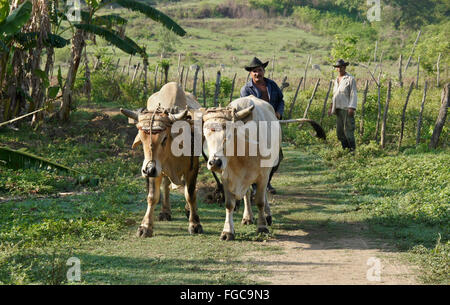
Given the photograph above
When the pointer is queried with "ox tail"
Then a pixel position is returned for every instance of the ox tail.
(320, 133)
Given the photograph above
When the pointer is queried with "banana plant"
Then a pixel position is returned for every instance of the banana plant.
(94, 24)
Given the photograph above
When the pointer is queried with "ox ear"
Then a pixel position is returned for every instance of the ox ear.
(244, 113)
(136, 142)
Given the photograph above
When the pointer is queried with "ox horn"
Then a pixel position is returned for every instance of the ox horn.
(178, 116)
(244, 112)
(130, 114)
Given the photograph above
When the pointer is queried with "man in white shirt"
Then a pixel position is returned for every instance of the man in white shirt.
(344, 105)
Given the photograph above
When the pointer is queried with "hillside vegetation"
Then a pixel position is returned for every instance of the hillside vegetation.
(401, 193)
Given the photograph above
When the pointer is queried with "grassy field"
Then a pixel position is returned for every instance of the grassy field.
(397, 199)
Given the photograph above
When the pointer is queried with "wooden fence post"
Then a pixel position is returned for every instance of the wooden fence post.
(311, 99)
(232, 87)
(295, 98)
(419, 120)
(361, 123)
(194, 90)
(216, 93)
(181, 77)
(438, 71)
(440, 121)
(377, 128)
(324, 109)
(129, 64)
(135, 72)
(400, 77)
(273, 67)
(404, 115)
(186, 79)
(204, 89)
(418, 71)
(156, 79)
(306, 71)
(412, 51)
(386, 108)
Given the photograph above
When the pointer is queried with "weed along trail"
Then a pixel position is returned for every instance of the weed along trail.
(321, 236)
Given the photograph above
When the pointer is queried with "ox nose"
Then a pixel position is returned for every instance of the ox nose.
(215, 162)
(150, 171)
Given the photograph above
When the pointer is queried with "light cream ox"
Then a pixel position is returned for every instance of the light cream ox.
(231, 138)
(161, 166)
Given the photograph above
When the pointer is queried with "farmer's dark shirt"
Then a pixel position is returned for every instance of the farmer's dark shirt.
(275, 94)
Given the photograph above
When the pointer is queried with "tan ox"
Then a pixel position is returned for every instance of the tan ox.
(161, 166)
(241, 168)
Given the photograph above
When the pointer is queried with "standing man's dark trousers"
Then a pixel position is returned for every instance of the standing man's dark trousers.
(274, 169)
(345, 129)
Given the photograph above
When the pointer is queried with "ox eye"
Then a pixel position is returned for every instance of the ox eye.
(163, 142)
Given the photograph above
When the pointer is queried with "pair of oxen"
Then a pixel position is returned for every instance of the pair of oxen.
(163, 166)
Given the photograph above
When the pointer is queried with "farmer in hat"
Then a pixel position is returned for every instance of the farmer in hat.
(344, 105)
(265, 89)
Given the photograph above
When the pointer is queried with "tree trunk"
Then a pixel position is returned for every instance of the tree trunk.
(440, 121)
(77, 48)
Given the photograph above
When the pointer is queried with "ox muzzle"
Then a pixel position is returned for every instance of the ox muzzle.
(149, 170)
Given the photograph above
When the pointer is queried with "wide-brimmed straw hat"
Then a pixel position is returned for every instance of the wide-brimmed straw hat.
(255, 64)
(341, 63)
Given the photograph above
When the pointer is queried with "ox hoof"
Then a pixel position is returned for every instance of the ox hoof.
(269, 220)
(144, 232)
(227, 236)
(247, 221)
(263, 230)
(195, 229)
(164, 216)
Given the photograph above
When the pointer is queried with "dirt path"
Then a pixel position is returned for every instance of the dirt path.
(322, 237)
(306, 260)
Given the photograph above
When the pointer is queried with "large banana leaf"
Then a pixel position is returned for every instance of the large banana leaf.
(15, 21)
(17, 159)
(152, 13)
(127, 45)
(29, 40)
(109, 20)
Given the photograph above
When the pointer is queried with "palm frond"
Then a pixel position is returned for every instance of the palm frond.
(109, 36)
(152, 13)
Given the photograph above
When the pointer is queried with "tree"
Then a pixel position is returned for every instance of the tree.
(103, 27)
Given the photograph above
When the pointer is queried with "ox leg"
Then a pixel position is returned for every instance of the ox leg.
(146, 227)
(166, 213)
(267, 210)
(228, 228)
(190, 193)
(260, 199)
(247, 217)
